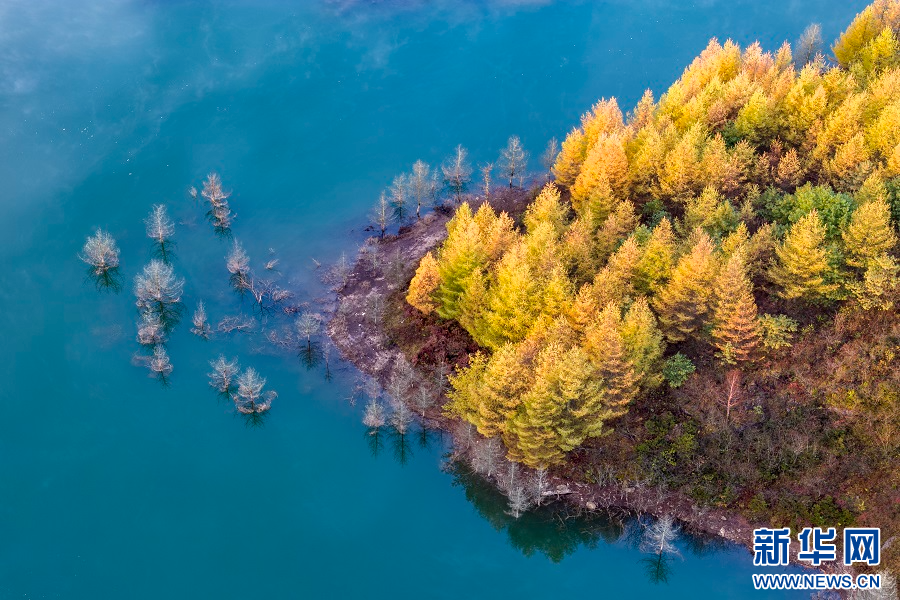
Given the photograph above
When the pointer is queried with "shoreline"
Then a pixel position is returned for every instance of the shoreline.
(360, 338)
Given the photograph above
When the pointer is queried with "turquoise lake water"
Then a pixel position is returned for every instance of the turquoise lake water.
(114, 486)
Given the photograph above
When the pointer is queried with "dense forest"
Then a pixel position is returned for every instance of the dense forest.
(703, 293)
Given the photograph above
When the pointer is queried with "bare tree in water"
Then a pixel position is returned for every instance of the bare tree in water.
(160, 229)
(212, 189)
(548, 158)
(307, 325)
(265, 292)
(157, 288)
(223, 373)
(219, 212)
(160, 363)
(519, 500)
(400, 196)
(250, 397)
(539, 484)
(513, 159)
(659, 539)
(434, 188)
(381, 215)
(327, 351)
(238, 264)
(487, 456)
(808, 46)
(374, 416)
(374, 419)
(101, 254)
(424, 397)
(401, 419)
(517, 492)
(201, 325)
(221, 216)
(232, 323)
(150, 329)
(486, 171)
(337, 275)
(457, 171)
(419, 185)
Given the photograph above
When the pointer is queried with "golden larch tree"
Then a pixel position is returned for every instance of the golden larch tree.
(605, 347)
(424, 284)
(869, 233)
(643, 343)
(802, 266)
(683, 304)
(736, 331)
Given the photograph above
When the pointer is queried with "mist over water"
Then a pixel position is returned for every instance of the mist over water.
(113, 486)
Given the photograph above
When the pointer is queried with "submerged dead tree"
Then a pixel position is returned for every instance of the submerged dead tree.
(399, 193)
(232, 323)
(420, 184)
(513, 160)
(517, 490)
(100, 252)
(157, 287)
(540, 484)
(486, 182)
(457, 171)
(307, 325)
(219, 212)
(160, 229)
(659, 539)
(381, 214)
(374, 417)
(519, 500)
(267, 293)
(337, 275)
(238, 264)
(487, 456)
(401, 419)
(548, 158)
(223, 373)
(159, 362)
(250, 397)
(150, 329)
(808, 46)
(201, 326)
(424, 398)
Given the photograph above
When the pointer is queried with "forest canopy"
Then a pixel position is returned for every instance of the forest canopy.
(699, 231)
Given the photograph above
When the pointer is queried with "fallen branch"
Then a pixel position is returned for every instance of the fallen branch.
(236, 323)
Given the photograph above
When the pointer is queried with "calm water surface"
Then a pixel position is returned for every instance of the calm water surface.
(113, 486)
